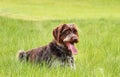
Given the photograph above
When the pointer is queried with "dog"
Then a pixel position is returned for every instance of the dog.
(59, 52)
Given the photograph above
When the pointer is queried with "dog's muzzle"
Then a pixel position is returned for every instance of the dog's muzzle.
(71, 38)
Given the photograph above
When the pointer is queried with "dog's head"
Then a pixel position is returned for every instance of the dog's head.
(67, 35)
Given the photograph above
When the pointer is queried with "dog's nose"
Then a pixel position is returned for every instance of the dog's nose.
(75, 39)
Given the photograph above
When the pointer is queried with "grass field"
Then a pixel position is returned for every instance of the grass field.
(28, 24)
(62, 9)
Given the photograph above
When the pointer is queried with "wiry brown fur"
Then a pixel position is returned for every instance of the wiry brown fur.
(56, 52)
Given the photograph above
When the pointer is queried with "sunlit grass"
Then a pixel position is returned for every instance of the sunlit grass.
(63, 9)
(99, 29)
(98, 55)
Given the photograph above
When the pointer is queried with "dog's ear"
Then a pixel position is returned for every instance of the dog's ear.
(56, 34)
(57, 31)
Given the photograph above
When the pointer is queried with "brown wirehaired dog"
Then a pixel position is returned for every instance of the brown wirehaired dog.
(59, 52)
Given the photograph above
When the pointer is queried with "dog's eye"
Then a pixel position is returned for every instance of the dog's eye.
(75, 31)
(67, 32)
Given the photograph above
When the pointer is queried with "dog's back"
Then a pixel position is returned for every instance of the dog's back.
(31, 55)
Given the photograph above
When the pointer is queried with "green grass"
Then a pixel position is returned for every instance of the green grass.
(62, 9)
(99, 48)
(27, 24)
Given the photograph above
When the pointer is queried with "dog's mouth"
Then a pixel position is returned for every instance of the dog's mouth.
(71, 47)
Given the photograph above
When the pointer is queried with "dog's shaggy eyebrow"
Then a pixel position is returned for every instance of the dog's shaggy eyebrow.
(65, 30)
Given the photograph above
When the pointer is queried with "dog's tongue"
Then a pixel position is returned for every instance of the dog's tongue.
(72, 48)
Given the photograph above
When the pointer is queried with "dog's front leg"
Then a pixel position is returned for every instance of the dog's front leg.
(71, 62)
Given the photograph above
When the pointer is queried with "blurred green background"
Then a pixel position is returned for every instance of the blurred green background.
(61, 9)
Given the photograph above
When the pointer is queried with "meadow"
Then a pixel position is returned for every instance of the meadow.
(28, 24)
